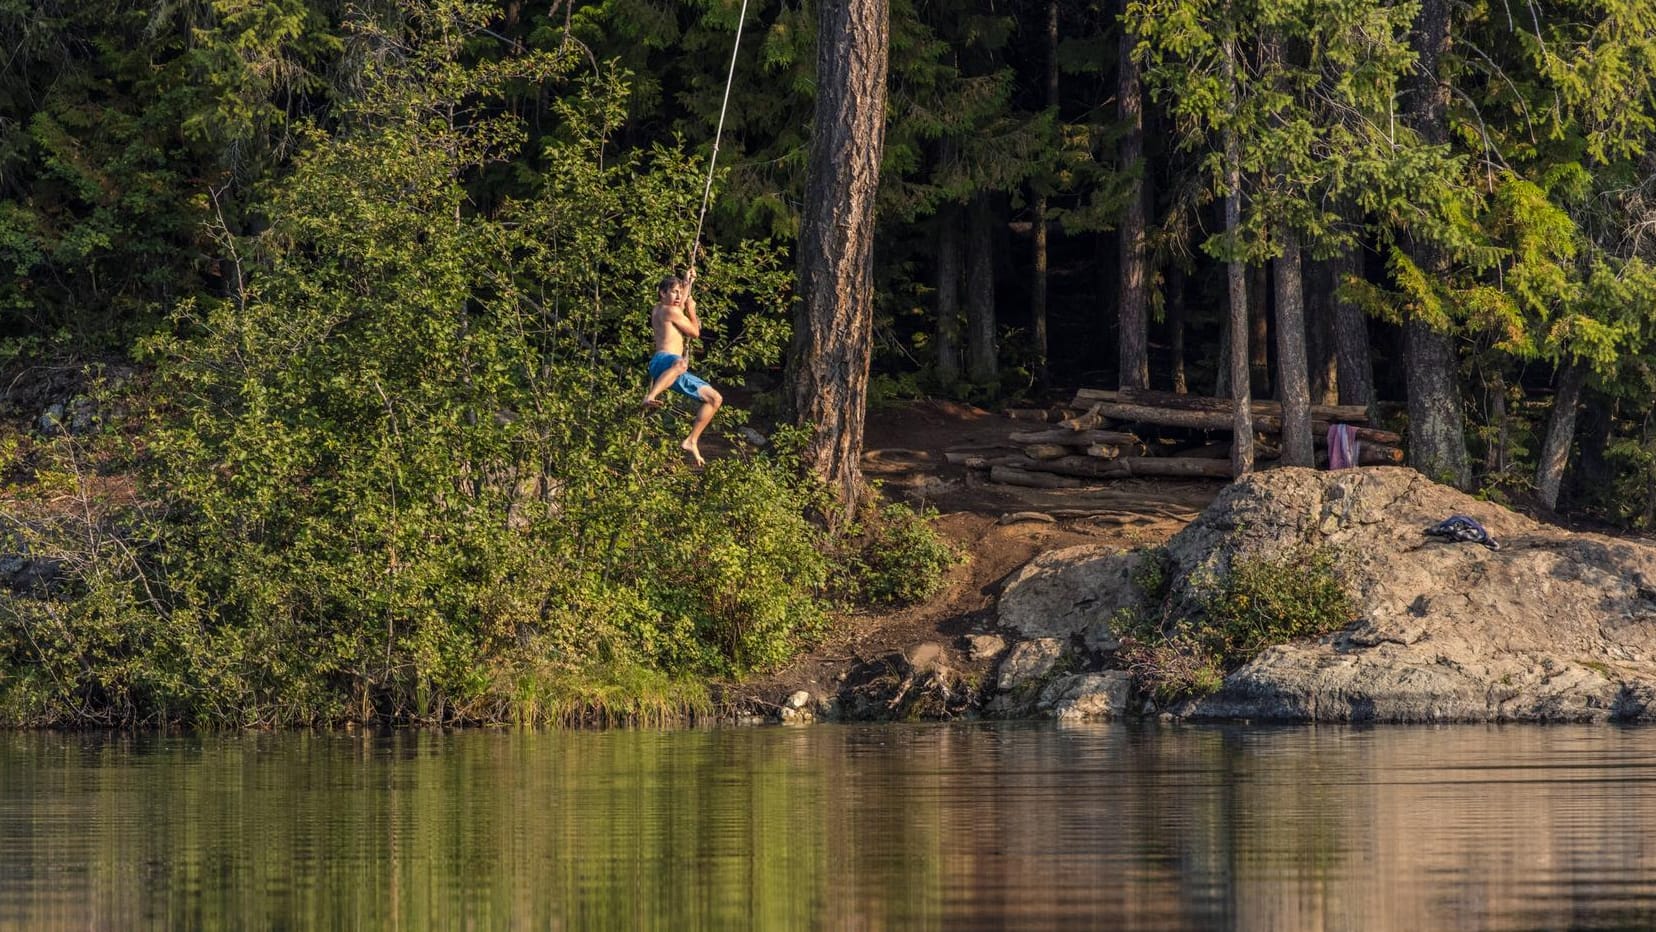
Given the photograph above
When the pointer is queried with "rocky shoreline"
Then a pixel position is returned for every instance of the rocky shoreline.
(1553, 626)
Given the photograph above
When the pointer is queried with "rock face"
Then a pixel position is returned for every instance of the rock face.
(1029, 661)
(1554, 626)
(1086, 697)
(1071, 594)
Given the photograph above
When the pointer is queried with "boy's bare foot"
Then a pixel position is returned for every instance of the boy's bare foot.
(694, 453)
(652, 402)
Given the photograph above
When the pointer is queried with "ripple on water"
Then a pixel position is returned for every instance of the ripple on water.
(837, 827)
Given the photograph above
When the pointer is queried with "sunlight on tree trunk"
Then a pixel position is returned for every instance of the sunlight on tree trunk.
(834, 319)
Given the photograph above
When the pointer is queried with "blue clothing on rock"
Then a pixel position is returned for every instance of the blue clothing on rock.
(686, 384)
(1463, 528)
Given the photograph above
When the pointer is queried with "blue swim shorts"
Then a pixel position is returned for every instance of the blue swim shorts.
(686, 384)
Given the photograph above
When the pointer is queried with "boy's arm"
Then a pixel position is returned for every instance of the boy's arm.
(688, 325)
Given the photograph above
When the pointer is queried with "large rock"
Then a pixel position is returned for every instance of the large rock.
(1071, 594)
(1554, 626)
(1029, 662)
(1086, 697)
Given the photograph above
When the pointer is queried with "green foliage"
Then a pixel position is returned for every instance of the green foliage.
(1258, 603)
(400, 474)
(896, 557)
(128, 126)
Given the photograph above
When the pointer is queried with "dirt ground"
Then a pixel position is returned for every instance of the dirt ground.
(998, 527)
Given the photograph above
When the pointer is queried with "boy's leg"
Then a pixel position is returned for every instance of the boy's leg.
(711, 401)
(667, 378)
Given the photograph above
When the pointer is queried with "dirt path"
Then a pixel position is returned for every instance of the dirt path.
(998, 527)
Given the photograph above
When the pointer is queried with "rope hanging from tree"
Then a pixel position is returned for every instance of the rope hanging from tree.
(707, 191)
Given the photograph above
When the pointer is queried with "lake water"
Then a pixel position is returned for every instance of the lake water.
(865, 827)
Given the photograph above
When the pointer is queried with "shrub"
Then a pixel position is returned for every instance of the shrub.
(895, 557)
(400, 474)
(1260, 602)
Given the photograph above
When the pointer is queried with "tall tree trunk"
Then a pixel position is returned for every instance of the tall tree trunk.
(1222, 368)
(1495, 459)
(833, 321)
(1038, 288)
(1351, 339)
(1242, 453)
(1259, 330)
(1134, 310)
(1319, 335)
(1292, 379)
(1555, 450)
(1176, 326)
(981, 361)
(1592, 481)
(1437, 433)
(948, 296)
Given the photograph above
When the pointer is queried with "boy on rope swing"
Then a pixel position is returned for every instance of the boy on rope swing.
(672, 320)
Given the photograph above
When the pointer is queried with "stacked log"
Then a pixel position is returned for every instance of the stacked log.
(1078, 448)
(1196, 412)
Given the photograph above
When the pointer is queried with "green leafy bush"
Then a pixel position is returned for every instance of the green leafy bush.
(1260, 602)
(896, 557)
(400, 472)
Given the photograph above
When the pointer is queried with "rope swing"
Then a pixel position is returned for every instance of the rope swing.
(707, 191)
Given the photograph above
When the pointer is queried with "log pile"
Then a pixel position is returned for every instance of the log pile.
(1085, 444)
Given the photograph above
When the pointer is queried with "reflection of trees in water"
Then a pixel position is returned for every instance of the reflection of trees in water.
(883, 826)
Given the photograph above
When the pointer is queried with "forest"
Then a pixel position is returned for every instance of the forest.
(383, 268)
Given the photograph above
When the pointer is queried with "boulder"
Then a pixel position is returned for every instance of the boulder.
(1070, 593)
(1029, 661)
(1553, 626)
(985, 646)
(1086, 697)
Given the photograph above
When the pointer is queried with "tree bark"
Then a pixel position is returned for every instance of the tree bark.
(1495, 458)
(1319, 335)
(1259, 331)
(1038, 288)
(1176, 327)
(1292, 378)
(1592, 481)
(833, 321)
(981, 355)
(1437, 433)
(948, 296)
(1134, 310)
(1351, 338)
(1555, 451)
(1242, 452)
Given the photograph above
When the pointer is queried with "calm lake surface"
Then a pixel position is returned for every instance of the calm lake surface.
(867, 827)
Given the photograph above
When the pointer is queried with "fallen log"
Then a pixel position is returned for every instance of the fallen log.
(1207, 451)
(1351, 414)
(1173, 417)
(1109, 451)
(1086, 420)
(1009, 475)
(1374, 454)
(1085, 467)
(1177, 467)
(1073, 438)
(1086, 397)
(1046, 451)
(1319, 435)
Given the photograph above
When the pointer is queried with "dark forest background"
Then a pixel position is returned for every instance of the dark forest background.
(1478, 172)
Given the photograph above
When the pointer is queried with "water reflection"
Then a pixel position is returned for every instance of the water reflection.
(835, 827)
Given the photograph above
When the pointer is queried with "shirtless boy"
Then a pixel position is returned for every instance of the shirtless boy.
(673, 320)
